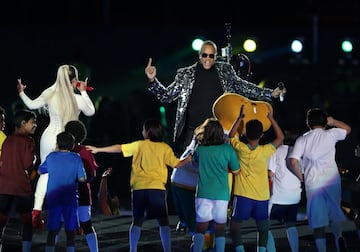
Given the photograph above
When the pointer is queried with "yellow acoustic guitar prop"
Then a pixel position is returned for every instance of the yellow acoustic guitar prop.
(227, 108)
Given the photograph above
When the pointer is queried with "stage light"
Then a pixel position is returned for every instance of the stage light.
(348, 53)
(346, 46)
(249, 45)
(163, 116)
(300, 51)
(196, 44)
(297, 46)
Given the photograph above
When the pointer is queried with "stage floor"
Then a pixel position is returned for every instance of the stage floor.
(113, 236)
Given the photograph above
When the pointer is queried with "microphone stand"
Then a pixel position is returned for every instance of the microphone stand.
(228, 47)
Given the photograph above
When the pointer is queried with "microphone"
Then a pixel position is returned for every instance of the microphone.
(281, 87)
(88, 88)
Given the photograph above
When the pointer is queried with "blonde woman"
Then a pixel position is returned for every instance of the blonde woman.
(63, 105)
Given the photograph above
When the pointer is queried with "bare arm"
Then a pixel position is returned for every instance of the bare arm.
(184, 161)
(332, 122)
(278, 91)
(278, 132)
(271, 174)
(103, 193)
(116, 148)
(237, 123)
(295, 168)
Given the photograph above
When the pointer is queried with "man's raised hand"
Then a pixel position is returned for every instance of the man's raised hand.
(150, 71)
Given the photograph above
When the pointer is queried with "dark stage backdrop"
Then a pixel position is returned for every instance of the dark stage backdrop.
(113, 57)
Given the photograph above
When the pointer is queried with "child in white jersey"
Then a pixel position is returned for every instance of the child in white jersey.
(322, 180)
(285, 192)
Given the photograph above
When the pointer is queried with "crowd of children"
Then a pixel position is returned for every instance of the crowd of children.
(213, 160)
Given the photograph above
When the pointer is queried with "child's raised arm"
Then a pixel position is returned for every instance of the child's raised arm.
(237, 122)
(332, 122)
(278, 132)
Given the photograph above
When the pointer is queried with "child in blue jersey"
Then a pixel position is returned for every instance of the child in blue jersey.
(65, 170)
(214, 158)
(78, 129)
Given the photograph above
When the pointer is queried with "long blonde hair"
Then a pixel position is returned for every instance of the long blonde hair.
(64, 94)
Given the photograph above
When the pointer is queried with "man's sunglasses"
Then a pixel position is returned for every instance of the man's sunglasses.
(205, 55)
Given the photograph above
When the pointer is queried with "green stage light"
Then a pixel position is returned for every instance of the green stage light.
(163, 116)
(346, 46)
(196, 44)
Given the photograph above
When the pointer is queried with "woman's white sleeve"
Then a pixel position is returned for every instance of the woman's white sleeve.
(32, 104)
(85, 104)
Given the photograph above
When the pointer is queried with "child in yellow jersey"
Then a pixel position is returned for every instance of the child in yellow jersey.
(251, 187)
(149, 175)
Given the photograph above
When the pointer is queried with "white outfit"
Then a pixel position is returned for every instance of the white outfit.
(286, 191)
(187, 176)
(317, 150)
(286, 187)
(56, 125)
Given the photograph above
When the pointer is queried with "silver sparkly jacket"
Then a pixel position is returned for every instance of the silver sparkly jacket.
(180, 89)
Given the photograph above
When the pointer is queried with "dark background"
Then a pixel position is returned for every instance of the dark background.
(110, 42)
